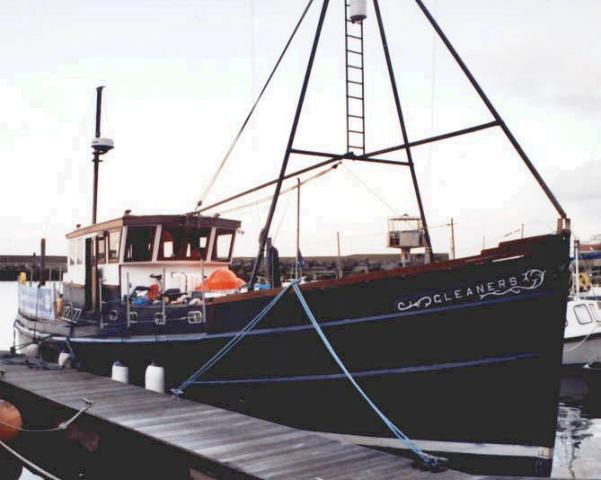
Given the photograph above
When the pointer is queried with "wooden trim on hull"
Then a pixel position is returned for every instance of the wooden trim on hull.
(506, 250)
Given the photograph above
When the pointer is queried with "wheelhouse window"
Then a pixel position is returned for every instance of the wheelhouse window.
(79, 251)
(139, 244)
(76, 253)
(101, 249)
(224, 241)
(72, 252)
(114, 242)
(183, 243)
(582, 314)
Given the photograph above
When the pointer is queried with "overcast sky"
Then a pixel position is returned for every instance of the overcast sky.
(180, 76)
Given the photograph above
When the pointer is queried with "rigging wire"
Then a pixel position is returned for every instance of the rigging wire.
(433, 112)
(252, 110)
(282, 218)
(289, 189)
(369, 189)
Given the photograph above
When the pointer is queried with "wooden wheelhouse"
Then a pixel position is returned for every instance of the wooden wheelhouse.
(107, 260)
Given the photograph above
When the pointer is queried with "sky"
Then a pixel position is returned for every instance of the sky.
(181, 75)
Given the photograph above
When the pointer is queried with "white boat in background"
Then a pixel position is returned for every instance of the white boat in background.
(592, 293)
(582, 338)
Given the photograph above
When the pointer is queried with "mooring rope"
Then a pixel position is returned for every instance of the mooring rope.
(579, 344)
(29, 463)
(37, 301)
(61, 426)
(230, 345)
(32, 342)
(429, 461)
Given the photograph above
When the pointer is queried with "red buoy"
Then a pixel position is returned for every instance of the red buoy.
(10, 421)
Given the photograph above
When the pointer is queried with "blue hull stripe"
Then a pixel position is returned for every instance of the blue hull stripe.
(376, 373)
(297, 328)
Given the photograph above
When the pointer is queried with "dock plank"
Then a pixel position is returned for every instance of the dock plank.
(247, 446)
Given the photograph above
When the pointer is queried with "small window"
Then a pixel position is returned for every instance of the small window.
(72, 252)
(594, 312)
(223, 245)
(139, 244)
(79, 251)
(100, 249)
(114, 244)
(203, 243)
(183, 243)
(582, 314)
(166, 250)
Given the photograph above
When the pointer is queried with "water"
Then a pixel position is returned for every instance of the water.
(578, 440)
(8, 309)
(577, 445)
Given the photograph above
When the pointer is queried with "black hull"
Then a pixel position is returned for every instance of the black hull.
(466, 373)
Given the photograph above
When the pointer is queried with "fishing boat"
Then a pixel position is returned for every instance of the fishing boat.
(462, 355)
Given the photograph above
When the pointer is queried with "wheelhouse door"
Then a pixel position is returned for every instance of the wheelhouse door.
(90, 287)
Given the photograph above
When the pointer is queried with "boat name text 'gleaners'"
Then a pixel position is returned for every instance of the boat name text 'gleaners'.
(530, 280)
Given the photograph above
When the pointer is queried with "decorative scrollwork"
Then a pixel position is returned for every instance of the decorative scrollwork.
(423, 302)
(532, 280)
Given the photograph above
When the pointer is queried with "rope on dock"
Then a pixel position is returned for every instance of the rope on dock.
(61, 426)
(29, 463)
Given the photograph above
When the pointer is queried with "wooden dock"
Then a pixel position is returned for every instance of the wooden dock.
(204, 441)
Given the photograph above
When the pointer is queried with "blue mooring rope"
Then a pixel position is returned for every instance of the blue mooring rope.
(430, 462)
(229, 345)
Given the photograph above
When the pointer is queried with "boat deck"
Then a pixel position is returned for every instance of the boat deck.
(221, 443)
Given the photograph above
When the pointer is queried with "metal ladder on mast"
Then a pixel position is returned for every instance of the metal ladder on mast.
(355, 90)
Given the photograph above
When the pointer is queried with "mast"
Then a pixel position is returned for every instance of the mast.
(452, 239)
(298, 260)
(100, 147)
(96, 158)
(338, 258)
(577, 260)
(299, 107)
